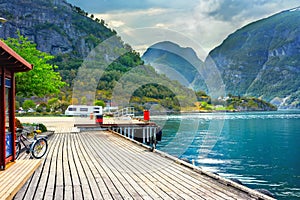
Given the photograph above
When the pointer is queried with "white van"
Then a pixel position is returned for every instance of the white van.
(83, 110)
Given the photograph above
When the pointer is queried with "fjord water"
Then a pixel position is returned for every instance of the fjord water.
(261, 149)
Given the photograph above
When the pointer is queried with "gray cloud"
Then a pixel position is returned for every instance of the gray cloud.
(229, 9)
(208, 22)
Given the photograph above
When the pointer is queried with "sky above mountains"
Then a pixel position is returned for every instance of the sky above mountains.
(201, 24)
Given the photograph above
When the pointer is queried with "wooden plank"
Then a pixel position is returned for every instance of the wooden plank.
(68, 191)
(8, 176)
(28, 191)
(183, 185)
(170, 177)
(76, 185)
(126, 184)
(134, 157)
(110, 171)
(130, 160)
(145, 170)
(219, 192)
(109, 178)
(150, 189)
(85, 162)
(59, 176)
(104, 182)
(86, 192)
(215, 187)
(46, 188)
(16, 176)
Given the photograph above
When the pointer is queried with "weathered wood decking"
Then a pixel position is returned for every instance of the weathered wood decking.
(14, 177)
(102, 165)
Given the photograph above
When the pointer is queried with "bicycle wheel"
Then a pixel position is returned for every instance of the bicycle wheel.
(39, 148)
(18, 149)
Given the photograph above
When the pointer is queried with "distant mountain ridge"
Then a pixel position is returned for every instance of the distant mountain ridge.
(260, 59)
(176, 62)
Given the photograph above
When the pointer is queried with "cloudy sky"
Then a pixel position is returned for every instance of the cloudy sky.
(201, 24)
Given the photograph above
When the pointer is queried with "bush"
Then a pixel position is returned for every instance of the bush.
(42, 127)
(28, 104)
(31, 127)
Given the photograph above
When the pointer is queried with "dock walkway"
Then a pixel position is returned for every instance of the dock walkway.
(103, 165)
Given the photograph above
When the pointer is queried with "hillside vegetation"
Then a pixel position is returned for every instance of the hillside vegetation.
(70, 34)
(262, 59)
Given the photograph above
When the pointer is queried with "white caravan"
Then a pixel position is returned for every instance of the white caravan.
(83, 110)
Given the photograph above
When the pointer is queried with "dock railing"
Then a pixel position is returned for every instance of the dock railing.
(125, 112)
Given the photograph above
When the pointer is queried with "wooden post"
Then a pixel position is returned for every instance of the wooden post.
(2, 121)
(12, 115)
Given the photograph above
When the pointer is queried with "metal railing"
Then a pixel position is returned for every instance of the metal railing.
(125, 112)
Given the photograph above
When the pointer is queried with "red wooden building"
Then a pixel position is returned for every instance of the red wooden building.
(10, 63)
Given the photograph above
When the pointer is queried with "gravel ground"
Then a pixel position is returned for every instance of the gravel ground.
(57, 124)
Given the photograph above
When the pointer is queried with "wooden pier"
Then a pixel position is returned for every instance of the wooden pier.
(133, 128)
(105, 165)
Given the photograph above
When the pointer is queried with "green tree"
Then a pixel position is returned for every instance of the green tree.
(40, 81)
(28, 104)
(61, 106)
(84, 100)
(17, 105)
(43, 107)
(53, 101)
(99, 103)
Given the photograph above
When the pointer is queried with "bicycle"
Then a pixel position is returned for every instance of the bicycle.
(37, 147)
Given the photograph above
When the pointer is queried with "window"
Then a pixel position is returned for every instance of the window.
(72, 109)
(7, 82)
(84, 109)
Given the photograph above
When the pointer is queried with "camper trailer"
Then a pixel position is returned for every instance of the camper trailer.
(83, 110)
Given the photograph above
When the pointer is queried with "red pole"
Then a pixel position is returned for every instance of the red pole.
(146, 115)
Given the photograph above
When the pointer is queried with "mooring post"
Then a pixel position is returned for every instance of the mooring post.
(143, 134)
(133, 133)
(148, 134)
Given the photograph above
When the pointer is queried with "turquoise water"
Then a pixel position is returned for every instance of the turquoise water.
(260, 149)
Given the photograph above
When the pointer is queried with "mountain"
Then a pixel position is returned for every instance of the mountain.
(54, 25)
(91, 58)
(177, 63)
(262, 59)
(58, 28)
(182, 64)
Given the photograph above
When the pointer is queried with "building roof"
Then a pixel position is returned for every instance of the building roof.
(11, 60)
